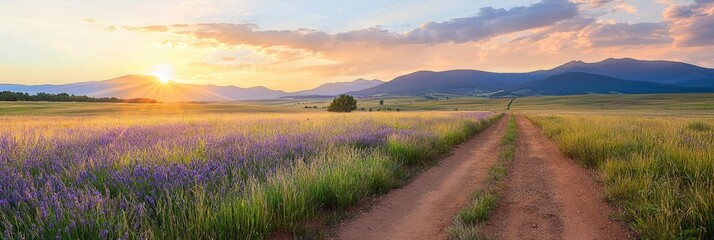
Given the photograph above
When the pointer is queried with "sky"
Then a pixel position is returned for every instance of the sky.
(294, 45)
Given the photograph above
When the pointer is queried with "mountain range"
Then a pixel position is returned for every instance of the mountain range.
(607, 76)
(626, 76)
(578, 83)
(140, 86)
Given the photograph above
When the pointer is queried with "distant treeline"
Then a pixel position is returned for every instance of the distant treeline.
(64, 97)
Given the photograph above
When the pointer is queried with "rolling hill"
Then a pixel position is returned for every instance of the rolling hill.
(586, 83)
(702, 83)
(337, 88)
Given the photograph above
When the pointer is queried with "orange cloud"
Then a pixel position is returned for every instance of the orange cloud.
(593, 3)
(692, 24)
(620, 34)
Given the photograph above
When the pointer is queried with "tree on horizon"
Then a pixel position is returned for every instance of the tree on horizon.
(343, 103)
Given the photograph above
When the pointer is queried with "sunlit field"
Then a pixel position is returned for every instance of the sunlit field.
(641, 104)
(104, 109)
(624, 105)
(210, 176)
(247, 170)
(660, 171)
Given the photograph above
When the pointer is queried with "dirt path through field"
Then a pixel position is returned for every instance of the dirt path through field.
(549, 196)
(427, 205)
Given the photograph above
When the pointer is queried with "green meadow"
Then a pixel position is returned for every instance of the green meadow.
(102, 171)
(649, 104)
(654, 154)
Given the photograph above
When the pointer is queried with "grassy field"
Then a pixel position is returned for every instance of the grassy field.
(206, 176)
(652, 105)
(645, 104)
(93, 109)
(655, 154)
(401, 103)
(641, 102)
(93, 170)
(660, 171)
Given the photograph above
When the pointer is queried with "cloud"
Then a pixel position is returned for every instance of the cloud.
(573, 25)
(147, 29)
(607, 6)
(593, 3)
(619, 34)
(692, 24)
(583, 32)
(625, 7)
(374, 35)
(493, 22)
(249, 34)
(487, 23)
(63, 45)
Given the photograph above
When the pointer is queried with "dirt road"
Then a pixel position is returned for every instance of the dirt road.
(549, 196)
(427, 205)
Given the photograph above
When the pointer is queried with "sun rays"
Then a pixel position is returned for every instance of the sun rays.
(163, 72)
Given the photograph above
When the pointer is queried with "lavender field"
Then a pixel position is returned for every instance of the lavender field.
(209, 176)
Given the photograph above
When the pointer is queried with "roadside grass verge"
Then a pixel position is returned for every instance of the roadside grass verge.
(334, 182)
(659, 171)
(469, 221)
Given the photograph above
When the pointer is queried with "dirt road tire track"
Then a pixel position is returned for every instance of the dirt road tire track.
(426, 206)
(549, 196)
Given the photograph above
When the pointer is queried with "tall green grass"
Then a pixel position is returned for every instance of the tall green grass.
(660, 171)
(468, 222)
(331, 181)
(286, 200)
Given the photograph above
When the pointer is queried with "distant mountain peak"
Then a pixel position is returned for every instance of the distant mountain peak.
(136, 76)
(620, 60)
(133, 78)
(575, 66)
(364, 80)
(604, 61)
(573, 63)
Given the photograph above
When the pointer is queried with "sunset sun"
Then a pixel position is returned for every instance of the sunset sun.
(163, 72)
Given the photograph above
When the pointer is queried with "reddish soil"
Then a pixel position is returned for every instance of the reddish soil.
(426, 206)
(549, 196)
